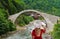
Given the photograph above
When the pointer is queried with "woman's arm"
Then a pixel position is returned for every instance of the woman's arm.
(43, 29)
(33, 35)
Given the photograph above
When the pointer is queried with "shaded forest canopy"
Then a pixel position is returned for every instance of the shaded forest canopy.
(48, 6)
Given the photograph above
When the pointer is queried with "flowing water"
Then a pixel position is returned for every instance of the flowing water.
(25, 34)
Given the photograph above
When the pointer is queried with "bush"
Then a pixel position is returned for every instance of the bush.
(4, 13)
(56, 31)
(12, 26)
(22, 20)
(5, 24)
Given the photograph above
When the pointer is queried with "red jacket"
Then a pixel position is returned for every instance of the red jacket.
(36, 37)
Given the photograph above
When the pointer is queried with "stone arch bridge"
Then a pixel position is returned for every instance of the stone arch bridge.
(50, 19)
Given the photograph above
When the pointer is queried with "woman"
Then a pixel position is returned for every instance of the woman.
(39, 29)
(37, 32)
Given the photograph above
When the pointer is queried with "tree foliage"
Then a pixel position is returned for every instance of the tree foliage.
(48, 6)
(56, 32)
(5, 24)
(11, 6)
(22, 20)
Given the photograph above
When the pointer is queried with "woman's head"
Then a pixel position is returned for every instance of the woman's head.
(37, 29)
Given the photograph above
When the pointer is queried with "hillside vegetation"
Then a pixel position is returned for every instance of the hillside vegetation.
(48, 6)
(56, 32)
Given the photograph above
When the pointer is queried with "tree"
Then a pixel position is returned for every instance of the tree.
(56, 31)
(5, 24)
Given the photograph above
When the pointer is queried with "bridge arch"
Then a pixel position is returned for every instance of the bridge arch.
(48, 22)
(15, 16)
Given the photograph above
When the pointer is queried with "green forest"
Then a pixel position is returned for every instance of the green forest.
(14, 6)
(10, 7)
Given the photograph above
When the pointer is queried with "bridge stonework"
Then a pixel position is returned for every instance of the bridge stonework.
(14, 17)
(50, 19)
